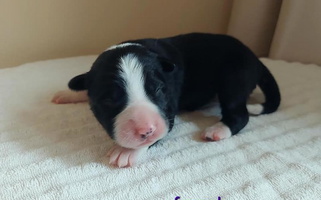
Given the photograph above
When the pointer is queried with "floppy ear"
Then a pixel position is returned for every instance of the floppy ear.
(167, 65)
(78, 82)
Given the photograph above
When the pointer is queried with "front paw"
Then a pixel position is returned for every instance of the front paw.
(217, 132)
(124, 157)
(68, 96)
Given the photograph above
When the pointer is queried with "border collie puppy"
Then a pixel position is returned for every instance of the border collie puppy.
(136, 88)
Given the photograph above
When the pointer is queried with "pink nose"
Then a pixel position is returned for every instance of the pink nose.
(145, 132)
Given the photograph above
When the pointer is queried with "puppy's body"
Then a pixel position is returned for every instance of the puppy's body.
(136, 88)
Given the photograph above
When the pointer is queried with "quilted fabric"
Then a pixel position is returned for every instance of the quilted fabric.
(50, 151)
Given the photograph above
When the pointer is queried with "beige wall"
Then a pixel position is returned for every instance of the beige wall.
(45, 29)
(298, 33)
(254, 22)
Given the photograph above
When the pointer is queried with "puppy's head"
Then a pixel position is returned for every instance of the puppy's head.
(133, 93)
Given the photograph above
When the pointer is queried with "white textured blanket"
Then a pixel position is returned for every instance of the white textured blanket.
(54, 152)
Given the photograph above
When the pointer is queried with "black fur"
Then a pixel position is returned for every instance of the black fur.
(182, 73)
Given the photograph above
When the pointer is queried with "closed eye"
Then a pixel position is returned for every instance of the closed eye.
(108, 102)
(159, 90)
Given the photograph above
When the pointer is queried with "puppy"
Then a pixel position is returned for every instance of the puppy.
(136, 88)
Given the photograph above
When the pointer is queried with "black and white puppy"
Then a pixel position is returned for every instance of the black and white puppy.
(135, 89)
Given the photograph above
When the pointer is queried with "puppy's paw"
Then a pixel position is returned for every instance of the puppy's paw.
(217, 132)
(68, 96)
(255, 109)
(124, 157)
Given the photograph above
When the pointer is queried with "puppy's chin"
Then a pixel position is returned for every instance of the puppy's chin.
(138, 144)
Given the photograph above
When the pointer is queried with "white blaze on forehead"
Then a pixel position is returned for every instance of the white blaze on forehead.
(122, 45)
(141, 113)
(131, 70)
